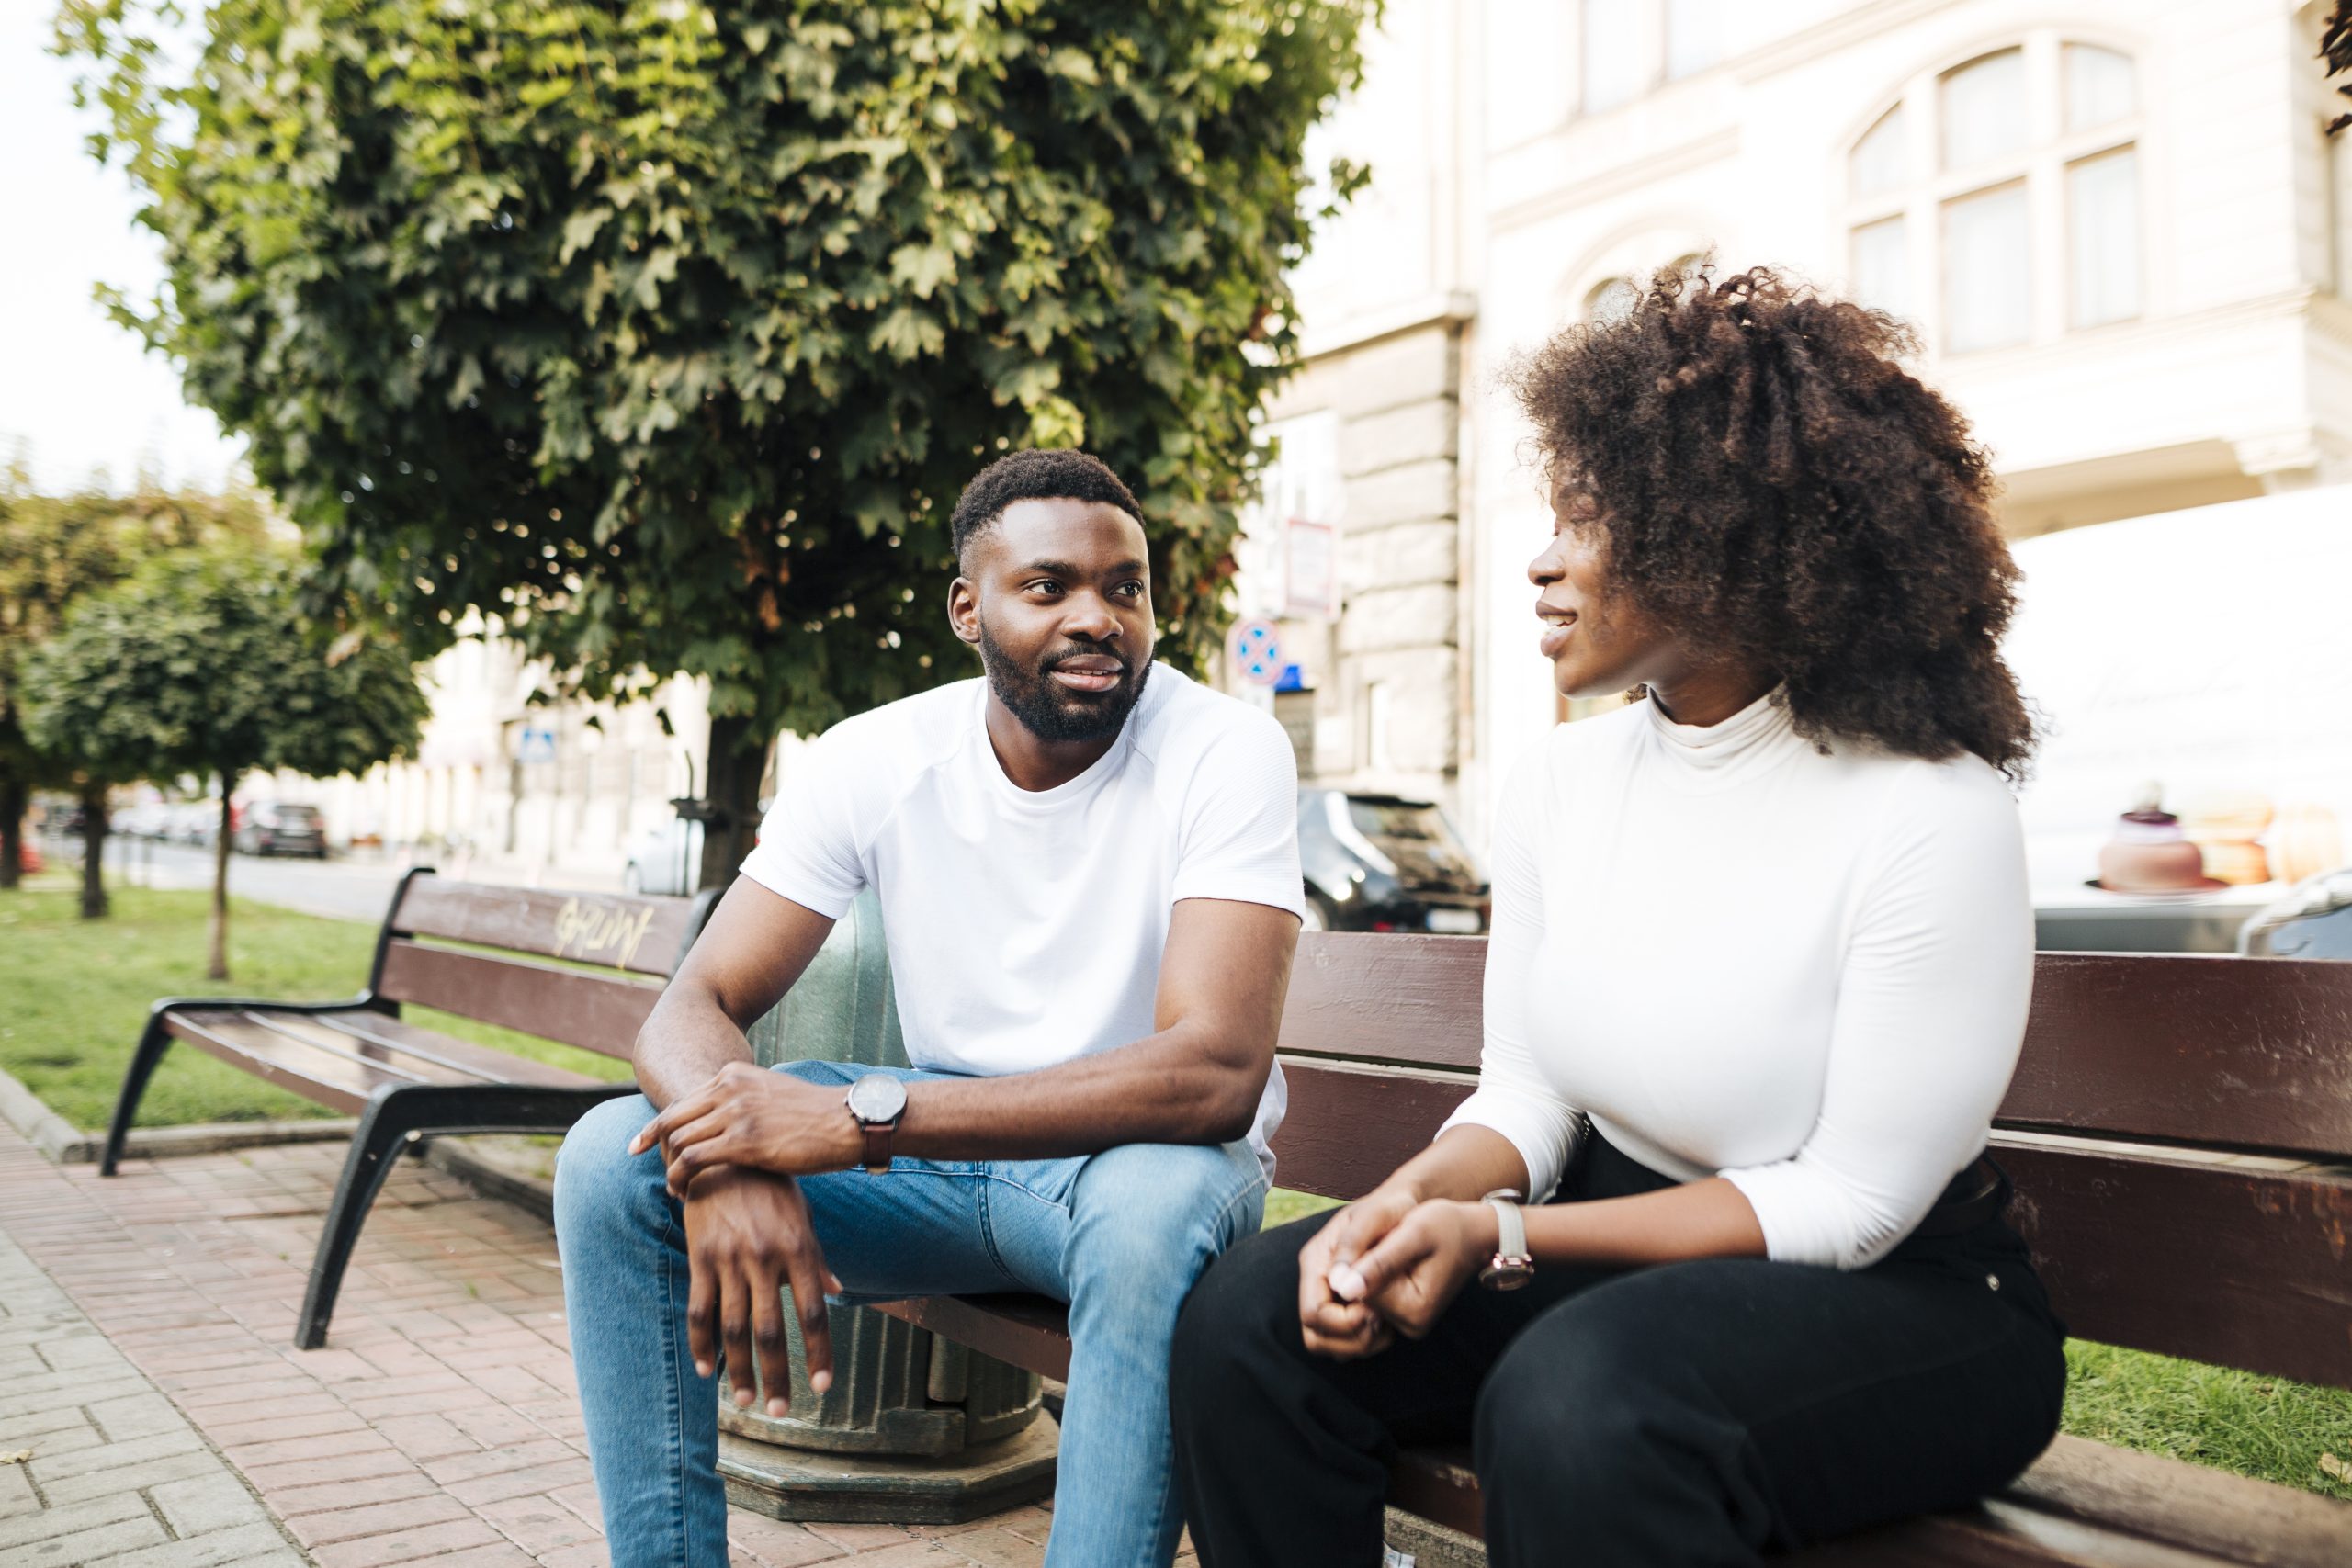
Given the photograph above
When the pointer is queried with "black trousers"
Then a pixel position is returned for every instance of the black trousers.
(1692, 1413)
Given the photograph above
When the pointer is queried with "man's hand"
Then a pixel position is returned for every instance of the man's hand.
(1346, 1329)
(1414, 1272)
(748, 1234)
(751, 1117)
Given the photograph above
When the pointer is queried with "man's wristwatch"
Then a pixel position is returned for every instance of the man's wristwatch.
(877, 1100)
(1512, 1265)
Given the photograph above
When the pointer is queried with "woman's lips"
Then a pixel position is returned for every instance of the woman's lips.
(1556, 627)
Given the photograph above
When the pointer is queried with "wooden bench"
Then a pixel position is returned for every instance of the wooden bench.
(459, 947)
(2178, 1132)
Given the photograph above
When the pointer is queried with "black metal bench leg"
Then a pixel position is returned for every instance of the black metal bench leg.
(382, 1130)
(153, 1044)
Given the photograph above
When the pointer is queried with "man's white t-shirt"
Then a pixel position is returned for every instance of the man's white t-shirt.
(1026, 928)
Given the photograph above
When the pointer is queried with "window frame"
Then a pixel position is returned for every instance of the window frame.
(2049, 151)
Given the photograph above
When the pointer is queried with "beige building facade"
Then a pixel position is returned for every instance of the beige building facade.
(2121, 233)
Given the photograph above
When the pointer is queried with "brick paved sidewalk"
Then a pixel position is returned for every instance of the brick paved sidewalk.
(102, 1469)
(439, 1423)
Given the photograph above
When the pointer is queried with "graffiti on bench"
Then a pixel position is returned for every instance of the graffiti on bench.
(591, 930)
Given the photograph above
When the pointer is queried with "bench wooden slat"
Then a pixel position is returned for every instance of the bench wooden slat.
(2258, 1279)
(1350, 1126)
(340, 1083)
(597, 1012)
(2253, 1054)
(1371, 997)
(2140, 1047)
(638, 934)
(479, 1062)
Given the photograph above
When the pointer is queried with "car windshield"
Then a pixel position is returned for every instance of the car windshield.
(1399, 819)
(297, 816)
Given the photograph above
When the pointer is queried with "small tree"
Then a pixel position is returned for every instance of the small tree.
(55, 549)
(664, 333)
(201, 663)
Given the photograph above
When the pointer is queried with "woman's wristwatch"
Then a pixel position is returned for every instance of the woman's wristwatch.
(1512, 1265)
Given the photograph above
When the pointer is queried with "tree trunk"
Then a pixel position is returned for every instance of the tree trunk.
(13, 799)
(733, 770)
(217, 965)
(93, 851)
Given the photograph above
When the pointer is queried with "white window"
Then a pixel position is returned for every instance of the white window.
(1881, 160)
(2100, 88)
(1882, 263)
(2103, 235)
(1987, 291)
(1694, 35)
(1613, 67)
(1998, 201)
(1627, 47)
(1984, 111)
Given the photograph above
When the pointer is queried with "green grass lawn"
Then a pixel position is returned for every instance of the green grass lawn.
(73, 995)
(77, 995)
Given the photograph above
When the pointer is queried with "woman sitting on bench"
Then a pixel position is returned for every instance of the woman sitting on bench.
(1757, 979)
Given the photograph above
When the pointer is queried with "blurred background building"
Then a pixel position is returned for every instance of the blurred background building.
(2120, 229)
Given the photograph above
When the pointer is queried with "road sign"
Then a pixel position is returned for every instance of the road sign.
(535, 745)
(1255, 653)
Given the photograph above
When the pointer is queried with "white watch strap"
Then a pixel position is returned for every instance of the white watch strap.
(1510, 1229)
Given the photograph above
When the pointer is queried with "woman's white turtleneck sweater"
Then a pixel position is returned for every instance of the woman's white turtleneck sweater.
(1804, 973)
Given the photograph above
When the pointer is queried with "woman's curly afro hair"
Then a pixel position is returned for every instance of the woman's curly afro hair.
(1774, 487)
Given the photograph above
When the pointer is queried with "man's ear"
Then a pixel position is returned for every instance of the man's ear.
(964, 610)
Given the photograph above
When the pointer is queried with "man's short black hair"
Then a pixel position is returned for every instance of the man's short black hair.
(1036, 474)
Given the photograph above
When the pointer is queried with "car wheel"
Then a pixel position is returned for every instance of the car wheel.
(1320, 915)
(632, 880)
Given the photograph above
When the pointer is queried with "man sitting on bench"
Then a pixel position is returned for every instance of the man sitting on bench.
(1088, 868)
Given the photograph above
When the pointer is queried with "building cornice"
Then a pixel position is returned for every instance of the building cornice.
(1647, 169)
(1449, 308)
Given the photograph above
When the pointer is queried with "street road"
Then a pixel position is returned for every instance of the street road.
(340, 889)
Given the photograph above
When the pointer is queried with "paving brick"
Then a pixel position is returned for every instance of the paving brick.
(79, 1547)
(993, 1548)
(246, 1546)
(279, 1451)
(406, 1546)
(202, 1504)
(18, 1534)
(107, 1482)
(775, 1544)
(316, 1471)
(350, 1523)
(535, 1482)
(135, 1415)
(110, 1458)
(496, 1461)
(538, 1523)
(16, 1492)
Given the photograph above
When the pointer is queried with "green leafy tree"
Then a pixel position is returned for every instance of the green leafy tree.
(664, 334)
(53, 550)
(203, 663)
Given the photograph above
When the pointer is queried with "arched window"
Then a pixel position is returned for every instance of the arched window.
(1998, 201)
(1609, 300)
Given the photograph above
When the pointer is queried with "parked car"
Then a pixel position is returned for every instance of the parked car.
(148, 819)
(2313, 920)
(1383, 863)
(665, 859)
(193, 822)
(281, 828)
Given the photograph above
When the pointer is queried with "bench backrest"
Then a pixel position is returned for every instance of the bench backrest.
(2179, 1130)
(481, 952)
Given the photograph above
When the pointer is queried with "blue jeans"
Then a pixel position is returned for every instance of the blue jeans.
(1119, 1235)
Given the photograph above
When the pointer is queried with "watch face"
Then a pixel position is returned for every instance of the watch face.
(1506, 1274)
(877, 1097)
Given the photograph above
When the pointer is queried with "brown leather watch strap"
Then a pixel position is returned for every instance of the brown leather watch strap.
(878, 1145)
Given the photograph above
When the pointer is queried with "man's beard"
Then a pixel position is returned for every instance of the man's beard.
(1051, 711)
